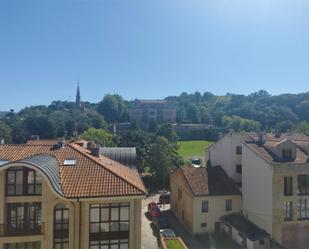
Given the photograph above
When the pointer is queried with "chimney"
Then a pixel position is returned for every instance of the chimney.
(61, 142)
(2, 142)
(95, 150)
(261, 138)
(34, 137)
(277, 134)
(90, 145)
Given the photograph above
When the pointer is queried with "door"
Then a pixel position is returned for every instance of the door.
(217, 227)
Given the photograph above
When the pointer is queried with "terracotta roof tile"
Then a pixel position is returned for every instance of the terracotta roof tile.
(90, 177)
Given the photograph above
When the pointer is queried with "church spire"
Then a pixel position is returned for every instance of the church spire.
(77, 100)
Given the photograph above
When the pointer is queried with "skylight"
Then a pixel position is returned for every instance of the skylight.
(69, 162)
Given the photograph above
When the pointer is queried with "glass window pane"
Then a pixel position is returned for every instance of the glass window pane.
(124, 226)
(105, 227)
(38, 178)
(30, 177)
(124, 246)
(115, 213)
(94, 228)
(114, 226)
(94, 215)
(104, 214)
(124, 213)
(11, 177)
(19, 177)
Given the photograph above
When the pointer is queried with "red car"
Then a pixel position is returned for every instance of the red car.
(153, 209)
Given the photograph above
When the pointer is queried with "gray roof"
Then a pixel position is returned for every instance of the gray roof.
(245, 227)
(123, 155)
(48, 165)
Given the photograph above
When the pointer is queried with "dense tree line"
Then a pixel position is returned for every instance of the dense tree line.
(254, 112)
(257, 111)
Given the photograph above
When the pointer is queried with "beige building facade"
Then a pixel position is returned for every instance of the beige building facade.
(35, 213)
(274, 181)
(198, 205)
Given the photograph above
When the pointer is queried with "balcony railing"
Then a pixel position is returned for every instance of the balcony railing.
(6, 230)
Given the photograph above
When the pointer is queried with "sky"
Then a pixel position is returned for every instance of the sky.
(150, 48)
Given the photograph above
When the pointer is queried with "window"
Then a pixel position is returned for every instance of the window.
(238, 150)
(287, 211)
(23, 218)
(205, 206)
(179, 194)
(288, 186)
(261, 242)
(27, 245)
(203, 225)
(61, 226)
(69, 162)
(287, 154)
(303, 209)
(303, 184)
(228, 205)
(110, 244)
(23, 181)
(111, 222)
(239, 169)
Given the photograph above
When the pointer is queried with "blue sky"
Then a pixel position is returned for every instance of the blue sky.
(150, 48)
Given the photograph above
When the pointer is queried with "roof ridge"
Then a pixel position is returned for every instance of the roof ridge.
(77, 148)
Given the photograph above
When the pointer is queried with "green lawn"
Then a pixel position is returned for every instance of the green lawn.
(173, 244)
(193, 148)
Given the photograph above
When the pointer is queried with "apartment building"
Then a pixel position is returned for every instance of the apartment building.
(67, 196)
(200, 197)
(275, 186)
(274, 177)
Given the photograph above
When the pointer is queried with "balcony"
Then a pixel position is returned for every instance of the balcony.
(22, 230)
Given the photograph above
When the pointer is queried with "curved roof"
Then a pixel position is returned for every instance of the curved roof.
(90, 177)
(48, 165)
(124, 155)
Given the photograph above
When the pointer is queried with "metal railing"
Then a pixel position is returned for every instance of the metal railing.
(6, 230)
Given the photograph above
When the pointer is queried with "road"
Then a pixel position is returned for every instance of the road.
(149, 236)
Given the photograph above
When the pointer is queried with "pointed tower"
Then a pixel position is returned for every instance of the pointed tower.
(77, 100)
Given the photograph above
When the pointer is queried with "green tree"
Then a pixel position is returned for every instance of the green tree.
(113, 108)
(99, 136)
(5, 132)
(161, 160)
(167, 131)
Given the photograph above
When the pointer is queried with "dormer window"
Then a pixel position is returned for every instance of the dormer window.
(287, 154)
(23, 181)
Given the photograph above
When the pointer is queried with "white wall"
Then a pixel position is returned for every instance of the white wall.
(223, 153)
(257, 189)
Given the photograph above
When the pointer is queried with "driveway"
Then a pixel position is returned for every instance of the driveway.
(149, 236)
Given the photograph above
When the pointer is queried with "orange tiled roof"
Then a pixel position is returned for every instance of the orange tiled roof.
(91, 176)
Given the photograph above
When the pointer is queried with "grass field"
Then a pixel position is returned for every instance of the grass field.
(193, 148)
(174, 244)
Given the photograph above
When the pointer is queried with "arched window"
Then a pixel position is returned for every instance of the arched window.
(61, 226)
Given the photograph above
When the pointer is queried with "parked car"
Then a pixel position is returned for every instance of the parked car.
(167, 233)
(153, 209)
(160, 222)
(165, 198)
